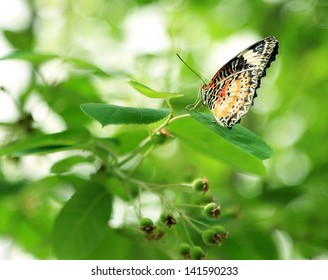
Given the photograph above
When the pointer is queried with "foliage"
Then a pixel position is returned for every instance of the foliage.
(119, 170)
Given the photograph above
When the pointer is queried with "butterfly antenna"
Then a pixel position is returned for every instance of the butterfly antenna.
(198, 100)
(192, 70)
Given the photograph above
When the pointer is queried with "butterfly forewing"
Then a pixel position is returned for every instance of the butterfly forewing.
(231, 91)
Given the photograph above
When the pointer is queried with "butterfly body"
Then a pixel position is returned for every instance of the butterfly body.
(230, 93)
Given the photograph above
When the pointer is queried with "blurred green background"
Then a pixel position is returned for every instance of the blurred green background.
(73, 52)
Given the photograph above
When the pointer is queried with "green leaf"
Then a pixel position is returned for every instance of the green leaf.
(47, 143)
(39, 58)
(82, 223)
(66, 164)
(208, 142)
(112, 114)
(238, 136)
(24, 39)
(85, 65)
(152, 93)
(32, 57)
(65, 98)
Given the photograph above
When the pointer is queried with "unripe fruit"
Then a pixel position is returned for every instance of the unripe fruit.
(184, 250)
(146, 222)
(207, 236)
(197, 253)
(147, 225)
(212, 210)
(220, 230)
(168, 219)
(214, 236)
(197, 184)
(200, 185)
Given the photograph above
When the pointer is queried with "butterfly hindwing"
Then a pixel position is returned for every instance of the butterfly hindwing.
(231, 91)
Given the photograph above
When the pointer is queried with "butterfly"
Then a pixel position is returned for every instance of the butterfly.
(231, 92)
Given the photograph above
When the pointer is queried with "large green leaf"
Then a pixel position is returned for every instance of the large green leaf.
(112, 114)
(208, 142)
(82, 223)
(238, 136)
(152, 93)
(47, 143)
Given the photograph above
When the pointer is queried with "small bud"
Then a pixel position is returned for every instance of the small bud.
(212, 210)
(161, 136)
(197, 253)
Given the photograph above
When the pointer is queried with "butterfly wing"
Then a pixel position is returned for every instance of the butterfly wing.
(231, 91)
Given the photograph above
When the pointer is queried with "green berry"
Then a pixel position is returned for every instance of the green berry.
(146, 222)
(147, 225)
(168, 219)
(221, 233)
(220, 230)
(207, 236)
(184, 250)
(197, 253)
(212, 210)
(214, 236)
(197, 184)
(200, 185)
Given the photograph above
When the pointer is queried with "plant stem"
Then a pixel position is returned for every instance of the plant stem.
(186, 218)
(178, 117)
(150, 186)
(134, 153)
(189, 205)
(187, 233)
(199, 222)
